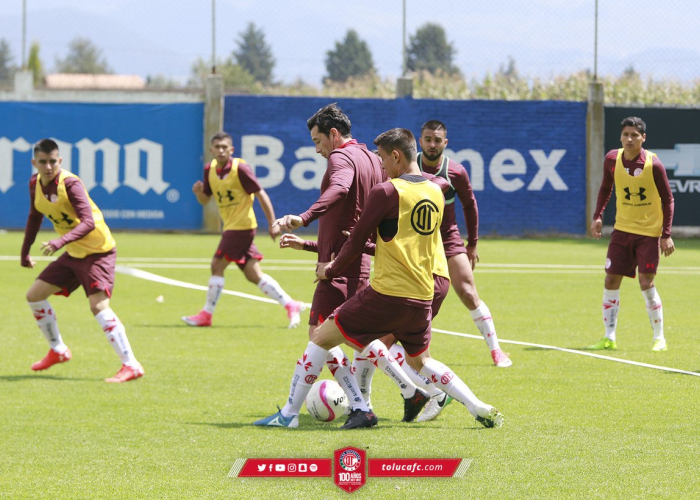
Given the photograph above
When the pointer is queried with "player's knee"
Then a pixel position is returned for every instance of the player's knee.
(468, 296)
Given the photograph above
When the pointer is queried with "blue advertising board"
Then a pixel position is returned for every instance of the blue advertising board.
(137, 161)
(526, 159)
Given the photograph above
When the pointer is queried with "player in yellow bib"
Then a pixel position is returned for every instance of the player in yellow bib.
(642, 228)
(405, 213)
(88, 261)
(234, 187)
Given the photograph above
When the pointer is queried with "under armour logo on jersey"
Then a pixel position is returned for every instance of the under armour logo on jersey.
(228, 195)
(641, 194)
(423, 218)
(65, 219)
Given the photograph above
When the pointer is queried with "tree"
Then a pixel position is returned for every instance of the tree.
(7, 69)
(34, 64)
(254, 55)
(351, 57)
(83, 57)
(234, 75)
(429, 50)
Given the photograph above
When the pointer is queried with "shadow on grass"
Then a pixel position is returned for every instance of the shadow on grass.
(199, 328)
(19, 378)
(314, 426)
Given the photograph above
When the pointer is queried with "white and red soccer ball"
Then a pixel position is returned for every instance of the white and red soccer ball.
(326, 401)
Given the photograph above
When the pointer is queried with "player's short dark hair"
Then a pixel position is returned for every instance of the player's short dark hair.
(328, 117)
(433, 125)
(398, 138)
(636, 122)
(47, 146)
(220, 136)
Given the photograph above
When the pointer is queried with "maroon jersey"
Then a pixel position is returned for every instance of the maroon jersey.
(460, 187)
(245, 175)
(660, 180)
(352, 171)
(77, 198)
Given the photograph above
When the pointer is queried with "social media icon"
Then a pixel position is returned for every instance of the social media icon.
(313, 467)
(261, 467)
(292, 467)
(279, 467)
(302, 467)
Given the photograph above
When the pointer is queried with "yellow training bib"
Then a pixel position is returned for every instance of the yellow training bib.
(235, 205)
(639, 208)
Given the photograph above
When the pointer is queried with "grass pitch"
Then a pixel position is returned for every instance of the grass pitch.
(575, 426)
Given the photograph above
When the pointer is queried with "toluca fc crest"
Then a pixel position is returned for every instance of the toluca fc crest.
(349, 469)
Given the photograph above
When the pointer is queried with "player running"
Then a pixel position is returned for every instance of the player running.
(234, 186)
(88, 261)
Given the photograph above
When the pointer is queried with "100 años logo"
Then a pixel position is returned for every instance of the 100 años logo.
(424, 217)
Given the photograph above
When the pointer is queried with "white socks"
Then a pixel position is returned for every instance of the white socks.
(483, 321)
(216, 286)
(442, 376)
(272, 289)
(363, 370)
(116, 335)
(611, 307)
(46, 321)
(377, 352)
(399, 354)
(339, 365)
(655, 312)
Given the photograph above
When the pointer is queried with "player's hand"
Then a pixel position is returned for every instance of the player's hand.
(289, 223)
(321, 269)
(473, 256)
(346, 233)
(274, 231)
(667, 246)
(48, 247)
(596, 228)
(27, 262)
(291, 241)
(198, 188)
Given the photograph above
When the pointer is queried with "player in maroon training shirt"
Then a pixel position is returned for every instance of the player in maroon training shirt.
(460, 260)
(351, 172)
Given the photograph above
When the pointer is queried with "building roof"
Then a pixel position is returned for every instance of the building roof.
(81, 81)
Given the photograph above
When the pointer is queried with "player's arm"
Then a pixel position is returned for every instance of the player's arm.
(269, 211)
(289, 240)
(80, 203)
(604, 193)
(341, 174)
(32, 228)
(382, 200)
(202, 189)
(460, 181)
(667, 205)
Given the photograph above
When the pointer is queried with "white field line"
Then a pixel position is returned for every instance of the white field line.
(137, 273)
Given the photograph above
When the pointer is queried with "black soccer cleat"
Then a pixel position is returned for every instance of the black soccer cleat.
(413, 405)
(359, 419)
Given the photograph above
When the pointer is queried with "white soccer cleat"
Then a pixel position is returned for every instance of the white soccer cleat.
(434, 407)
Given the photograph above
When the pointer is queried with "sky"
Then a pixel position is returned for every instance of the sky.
(544, 37)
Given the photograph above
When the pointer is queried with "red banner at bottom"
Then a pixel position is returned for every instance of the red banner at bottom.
(413, 467)
(286, 467)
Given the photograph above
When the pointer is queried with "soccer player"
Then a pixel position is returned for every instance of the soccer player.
(405, 213)
(88, 261)
(642, 226)
(460, 260)
(352, 170)
(234, 186)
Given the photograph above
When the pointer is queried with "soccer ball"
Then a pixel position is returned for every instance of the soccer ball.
(326, 401)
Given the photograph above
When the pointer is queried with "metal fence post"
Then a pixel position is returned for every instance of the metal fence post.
(213, 123)
(595, 135)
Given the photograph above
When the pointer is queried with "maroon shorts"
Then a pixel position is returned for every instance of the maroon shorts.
(237, 246)
(369, 315)
(330, 294)
(452, 241)
(442, 287)
(95, 273)
(627, 252)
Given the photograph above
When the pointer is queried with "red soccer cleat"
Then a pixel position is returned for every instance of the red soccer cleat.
(125, 374)
(52, 358)
(293, 310)
(501, 359)
(202, 318)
